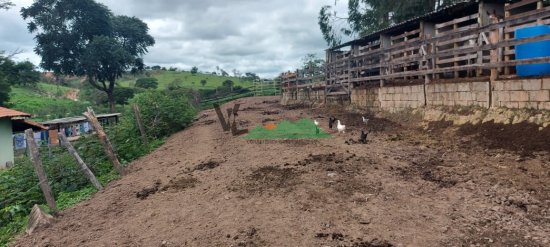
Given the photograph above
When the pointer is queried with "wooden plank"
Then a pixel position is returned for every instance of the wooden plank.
(460, 29)
(456, 21)
(90, 115)
(514, 28)
(519, 4)
(459, 39)
(405, 34)
(83, 167)
(456, 59)
(37, 163)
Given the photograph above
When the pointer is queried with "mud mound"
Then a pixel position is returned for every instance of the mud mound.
(270, 179)
(248, 238)
(207, 165)
(346, 242)
(144, 193)
(523, 138)
(181, 183)
(428, 169)
(270, 112)
(268, 120)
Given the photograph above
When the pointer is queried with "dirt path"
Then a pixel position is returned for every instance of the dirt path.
(407, 187)
(72, 94)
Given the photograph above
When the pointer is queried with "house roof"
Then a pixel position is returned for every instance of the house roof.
(9, 113)
(69, 120)
(20, 125)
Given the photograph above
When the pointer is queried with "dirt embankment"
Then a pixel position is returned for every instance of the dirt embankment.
(408, 186)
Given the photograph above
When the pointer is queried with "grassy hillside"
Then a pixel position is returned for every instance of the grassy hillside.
(45, 102)
(187, 79)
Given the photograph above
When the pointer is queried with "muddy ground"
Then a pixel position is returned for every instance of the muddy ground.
(412, 184)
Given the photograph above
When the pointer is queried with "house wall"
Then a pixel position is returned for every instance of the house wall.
(6, 142)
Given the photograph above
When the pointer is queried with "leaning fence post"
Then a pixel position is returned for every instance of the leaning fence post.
(37, 163)
(83, 167)
(90, 115)
(137, 113)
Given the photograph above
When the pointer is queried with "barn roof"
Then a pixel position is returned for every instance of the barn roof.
(458, 8)
(9, 113)
(69, 120)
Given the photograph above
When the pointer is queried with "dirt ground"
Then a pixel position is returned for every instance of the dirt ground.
(412, 184)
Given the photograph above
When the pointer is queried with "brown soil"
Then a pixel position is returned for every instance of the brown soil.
(408, 186)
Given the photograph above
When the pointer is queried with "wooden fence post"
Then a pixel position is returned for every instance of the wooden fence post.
(83, 167)
(37, 163)
(90, 115)
(137, 114)
(494, 38)
(219, 112)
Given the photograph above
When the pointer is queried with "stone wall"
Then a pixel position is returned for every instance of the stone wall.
(527, 93)
(530, 93)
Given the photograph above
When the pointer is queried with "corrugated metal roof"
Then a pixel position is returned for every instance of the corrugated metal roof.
(68, 120)
(455, 6)
(9, 113)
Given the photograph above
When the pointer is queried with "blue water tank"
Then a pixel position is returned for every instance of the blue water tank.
(533, 50)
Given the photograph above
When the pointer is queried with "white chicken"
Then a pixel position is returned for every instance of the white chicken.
(365, 120)
(316, 123)
(341, 128)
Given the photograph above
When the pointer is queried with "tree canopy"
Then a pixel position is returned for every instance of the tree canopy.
(84, 38)
(367, 16)
(15, 73)
(147, 83)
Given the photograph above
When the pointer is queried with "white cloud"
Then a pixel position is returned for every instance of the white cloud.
(264, 37)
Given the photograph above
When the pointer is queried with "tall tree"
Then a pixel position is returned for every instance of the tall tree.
(367, 16)
(15, 73)
(83, 38)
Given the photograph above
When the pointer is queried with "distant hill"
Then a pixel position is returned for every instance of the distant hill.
(187, 79)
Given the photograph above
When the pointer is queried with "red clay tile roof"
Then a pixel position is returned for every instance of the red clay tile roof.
(5, 112)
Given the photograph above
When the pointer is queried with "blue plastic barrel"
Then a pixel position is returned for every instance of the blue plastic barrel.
(533, 50)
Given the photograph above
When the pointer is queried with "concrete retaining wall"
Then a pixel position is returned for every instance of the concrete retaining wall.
(528, 93)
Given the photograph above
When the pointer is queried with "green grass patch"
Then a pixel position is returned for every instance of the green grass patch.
(301, 129)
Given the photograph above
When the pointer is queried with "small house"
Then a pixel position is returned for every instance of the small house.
(12, 121)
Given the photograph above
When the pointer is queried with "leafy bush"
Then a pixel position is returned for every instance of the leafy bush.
(164, 113)
(147, 83)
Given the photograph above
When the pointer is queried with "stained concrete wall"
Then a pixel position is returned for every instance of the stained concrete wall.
(527, 93)
(6, 142)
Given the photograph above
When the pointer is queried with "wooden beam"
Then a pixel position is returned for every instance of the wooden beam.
(37, 163)
(83, 167)
(90, 115)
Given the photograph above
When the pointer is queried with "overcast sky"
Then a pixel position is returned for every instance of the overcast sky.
(264, 37)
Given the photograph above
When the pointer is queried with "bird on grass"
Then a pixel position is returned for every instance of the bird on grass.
(341, 128)
(316, 123)
(331, 121)
(363, 137)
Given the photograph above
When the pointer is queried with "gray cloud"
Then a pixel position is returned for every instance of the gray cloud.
(265, 37)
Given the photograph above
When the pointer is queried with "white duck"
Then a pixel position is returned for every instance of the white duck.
(341, 128)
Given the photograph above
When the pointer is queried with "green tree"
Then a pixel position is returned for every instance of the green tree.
(194, 70)
(12, 73)
(147, 83)
(203, 82)
(228, 84)
(367, 16)
(84, 38)
(123, 94)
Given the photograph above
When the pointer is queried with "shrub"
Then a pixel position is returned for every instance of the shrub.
(164, 112)
(147, 83)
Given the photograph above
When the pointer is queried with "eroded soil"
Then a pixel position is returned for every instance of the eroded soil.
(412, 184)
